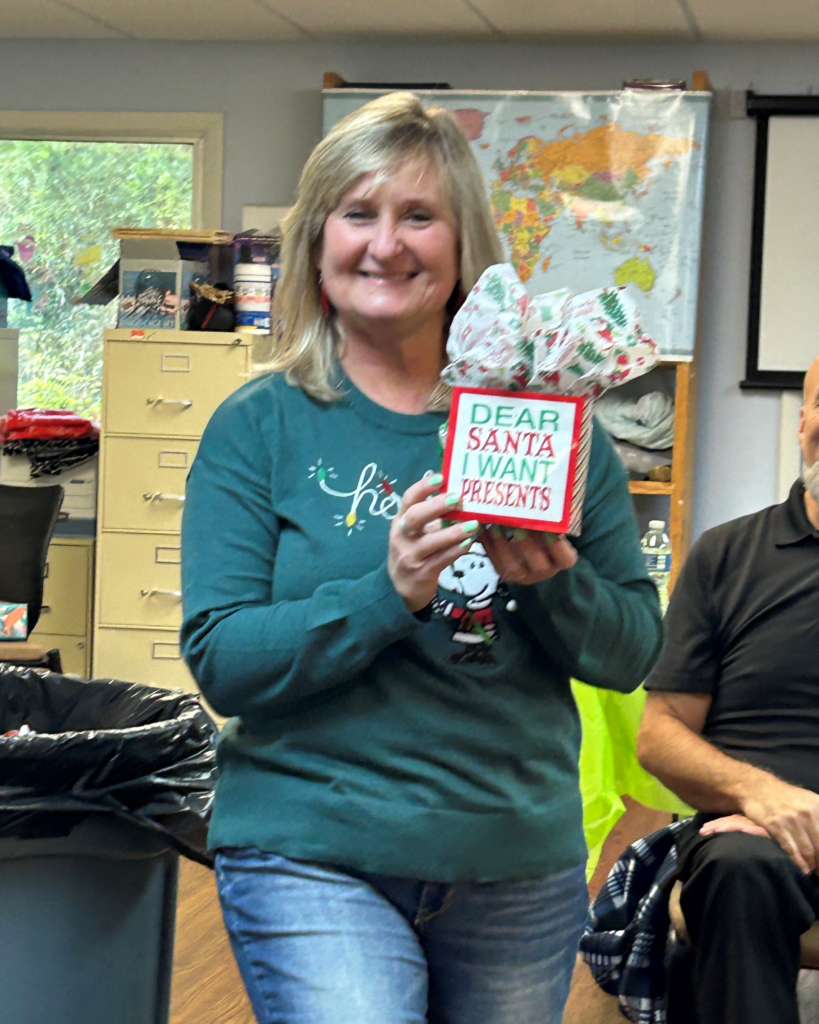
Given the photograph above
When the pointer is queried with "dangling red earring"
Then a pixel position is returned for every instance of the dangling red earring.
(326, 308)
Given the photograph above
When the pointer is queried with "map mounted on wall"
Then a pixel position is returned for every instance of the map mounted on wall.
(590, 190)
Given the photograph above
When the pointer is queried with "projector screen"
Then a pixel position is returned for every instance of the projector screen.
(783, 322)
(788, 320)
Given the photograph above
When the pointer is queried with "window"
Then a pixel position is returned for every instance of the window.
(65, 181)
(58, 203)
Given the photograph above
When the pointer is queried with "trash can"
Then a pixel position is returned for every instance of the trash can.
(102, 785)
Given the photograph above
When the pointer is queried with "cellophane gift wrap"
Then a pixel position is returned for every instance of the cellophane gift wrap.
(557, 343)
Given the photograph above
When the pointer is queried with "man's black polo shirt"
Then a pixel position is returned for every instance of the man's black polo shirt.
(743, 625)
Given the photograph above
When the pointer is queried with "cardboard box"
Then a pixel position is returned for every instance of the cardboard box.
(153, 282)
(156, 293)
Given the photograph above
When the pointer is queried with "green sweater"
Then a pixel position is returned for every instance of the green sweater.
(363, 736)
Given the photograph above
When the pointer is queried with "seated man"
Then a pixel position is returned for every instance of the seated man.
(732, 726)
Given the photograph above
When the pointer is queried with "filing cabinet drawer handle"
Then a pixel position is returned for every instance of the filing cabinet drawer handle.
(161, 496)
(186, 403)
(45, 608)
(155, 592)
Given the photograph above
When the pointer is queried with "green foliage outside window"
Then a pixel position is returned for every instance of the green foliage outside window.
(58, 204)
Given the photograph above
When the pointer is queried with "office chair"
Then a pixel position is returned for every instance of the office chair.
(27, 518)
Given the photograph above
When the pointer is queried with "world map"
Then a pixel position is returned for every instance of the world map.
(590, 190)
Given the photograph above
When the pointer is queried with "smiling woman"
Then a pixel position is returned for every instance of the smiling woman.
(398, 823)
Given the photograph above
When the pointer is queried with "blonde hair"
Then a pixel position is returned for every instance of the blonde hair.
(392, 128)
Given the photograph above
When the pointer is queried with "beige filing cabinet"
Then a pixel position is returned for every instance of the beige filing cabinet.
(8, 369)
(65, 620)
(160, 388)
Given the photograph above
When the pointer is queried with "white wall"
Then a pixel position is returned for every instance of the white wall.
(271, 100)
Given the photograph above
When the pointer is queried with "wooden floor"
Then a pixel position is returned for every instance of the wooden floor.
(587, 1003)
(207, 988)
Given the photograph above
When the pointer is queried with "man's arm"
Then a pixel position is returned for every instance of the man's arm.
(671, 747)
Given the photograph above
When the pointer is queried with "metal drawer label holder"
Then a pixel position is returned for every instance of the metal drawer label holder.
(168, 556)
(173, 460)
(166, 652)
(175, 363)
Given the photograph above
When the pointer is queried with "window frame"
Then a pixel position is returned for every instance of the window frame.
(204, 131)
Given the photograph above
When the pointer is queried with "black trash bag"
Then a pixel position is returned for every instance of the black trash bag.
(144, 754)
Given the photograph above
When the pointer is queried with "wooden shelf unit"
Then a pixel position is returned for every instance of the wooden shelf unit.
(680, 489)
(650, 487)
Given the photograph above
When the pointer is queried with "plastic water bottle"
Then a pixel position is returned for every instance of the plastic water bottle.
(656, 549)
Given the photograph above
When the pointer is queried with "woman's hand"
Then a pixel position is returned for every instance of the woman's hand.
(530, 557)
(420, 547)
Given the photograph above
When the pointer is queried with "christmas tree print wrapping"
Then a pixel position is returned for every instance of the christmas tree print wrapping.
(555, 343)
(502, 337)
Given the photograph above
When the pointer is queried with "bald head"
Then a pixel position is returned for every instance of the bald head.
(811, 381)
(809, 442)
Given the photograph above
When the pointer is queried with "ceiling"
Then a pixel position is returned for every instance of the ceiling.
(256, 20)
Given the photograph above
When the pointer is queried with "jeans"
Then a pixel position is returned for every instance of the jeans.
(316, 945)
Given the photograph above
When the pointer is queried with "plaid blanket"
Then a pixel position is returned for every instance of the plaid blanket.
(624, 941)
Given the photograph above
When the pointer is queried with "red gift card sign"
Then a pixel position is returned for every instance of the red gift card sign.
(513, 456)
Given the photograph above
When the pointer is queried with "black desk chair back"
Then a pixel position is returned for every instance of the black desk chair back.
(27, 518)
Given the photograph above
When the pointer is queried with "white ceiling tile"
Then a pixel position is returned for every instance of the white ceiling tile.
(543, 19)
(384, 17)
(48, 19)
(191, 19)
(740, 20)
(757, 20)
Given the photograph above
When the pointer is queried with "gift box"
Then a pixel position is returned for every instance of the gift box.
(525, 373)
(518, 458)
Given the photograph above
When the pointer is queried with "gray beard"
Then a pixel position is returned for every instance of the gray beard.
(810, 478)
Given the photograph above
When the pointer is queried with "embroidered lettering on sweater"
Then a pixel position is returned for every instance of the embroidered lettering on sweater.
(374, 494)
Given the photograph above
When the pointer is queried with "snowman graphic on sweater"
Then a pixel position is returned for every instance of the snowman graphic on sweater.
(465, 597)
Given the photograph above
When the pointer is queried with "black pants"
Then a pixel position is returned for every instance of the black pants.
(745, 904)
